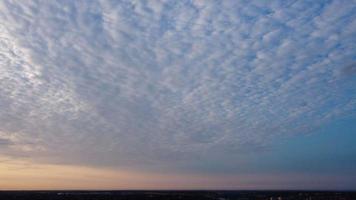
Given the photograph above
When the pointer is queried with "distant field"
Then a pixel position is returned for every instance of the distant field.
(172, 195)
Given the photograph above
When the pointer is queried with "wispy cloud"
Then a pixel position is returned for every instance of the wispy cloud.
(4, 142)
(125, 83)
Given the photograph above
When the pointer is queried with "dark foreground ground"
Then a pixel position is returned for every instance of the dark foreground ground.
(172, 195)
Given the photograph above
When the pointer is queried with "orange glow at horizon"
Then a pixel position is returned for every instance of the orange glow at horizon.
(27, 175)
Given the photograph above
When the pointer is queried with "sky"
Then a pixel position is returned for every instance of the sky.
(187, 94)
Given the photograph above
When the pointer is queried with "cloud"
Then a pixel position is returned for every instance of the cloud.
(138, 83)
(348, 70)
(4, 142)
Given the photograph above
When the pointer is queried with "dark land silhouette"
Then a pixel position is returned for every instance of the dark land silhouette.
(173, 195)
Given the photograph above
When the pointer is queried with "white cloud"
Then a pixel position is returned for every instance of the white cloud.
(111, 83)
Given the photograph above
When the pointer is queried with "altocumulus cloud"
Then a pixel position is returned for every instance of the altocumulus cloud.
(145, 83)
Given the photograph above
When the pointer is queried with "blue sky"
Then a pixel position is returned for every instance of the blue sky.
(206, 87)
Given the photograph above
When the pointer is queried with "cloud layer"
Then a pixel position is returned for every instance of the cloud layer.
(146, 83)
